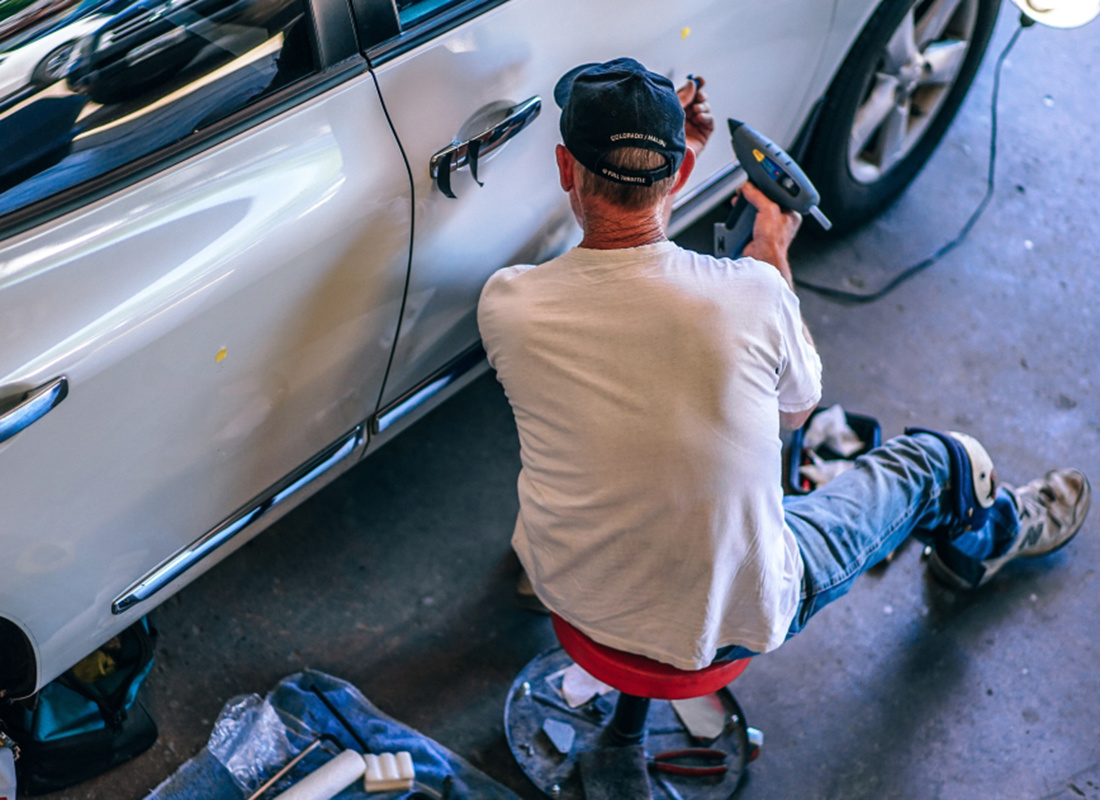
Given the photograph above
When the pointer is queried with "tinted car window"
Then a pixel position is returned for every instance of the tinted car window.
(411, 11)
(86, 87)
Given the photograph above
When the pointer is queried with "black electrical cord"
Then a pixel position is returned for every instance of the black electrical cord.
(855, 297)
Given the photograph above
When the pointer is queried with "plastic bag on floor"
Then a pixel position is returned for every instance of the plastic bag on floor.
(255, 737)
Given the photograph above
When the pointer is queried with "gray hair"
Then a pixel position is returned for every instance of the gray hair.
(624, 195)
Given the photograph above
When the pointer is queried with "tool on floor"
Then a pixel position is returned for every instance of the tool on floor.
(390, 771)
(381, 772)
(329, 780)
(667, 762)
(774, 173)
(292, 764)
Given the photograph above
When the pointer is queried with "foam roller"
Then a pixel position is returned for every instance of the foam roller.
(329, 780)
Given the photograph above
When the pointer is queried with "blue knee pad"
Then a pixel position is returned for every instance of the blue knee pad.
(973, 484)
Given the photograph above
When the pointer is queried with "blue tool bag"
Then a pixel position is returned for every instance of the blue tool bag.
(88, 720)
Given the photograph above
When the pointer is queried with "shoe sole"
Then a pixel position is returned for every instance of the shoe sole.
(945, 576)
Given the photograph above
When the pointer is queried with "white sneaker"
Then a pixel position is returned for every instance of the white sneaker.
(1050, 509)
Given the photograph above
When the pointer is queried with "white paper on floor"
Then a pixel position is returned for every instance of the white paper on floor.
(578, 687)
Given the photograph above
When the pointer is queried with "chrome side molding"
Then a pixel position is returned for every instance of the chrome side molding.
(174, 566)
(420, 394)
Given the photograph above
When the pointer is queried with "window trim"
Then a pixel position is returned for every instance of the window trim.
(339, 60)
(379, 52)
(375, 21)
(333, 32)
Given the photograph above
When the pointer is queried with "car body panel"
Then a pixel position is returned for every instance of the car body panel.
(218, 324)
(509, 55)
(851, 17)
(230, 317)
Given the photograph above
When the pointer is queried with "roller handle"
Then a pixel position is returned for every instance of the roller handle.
(731, 236)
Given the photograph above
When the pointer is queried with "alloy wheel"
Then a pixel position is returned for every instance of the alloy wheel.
(915, 73)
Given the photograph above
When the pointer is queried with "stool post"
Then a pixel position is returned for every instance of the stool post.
(628, 724)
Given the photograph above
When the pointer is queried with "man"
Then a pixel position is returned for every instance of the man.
(649, 384)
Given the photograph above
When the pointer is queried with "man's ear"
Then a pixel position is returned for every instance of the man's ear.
(684, 172)
(565, 168)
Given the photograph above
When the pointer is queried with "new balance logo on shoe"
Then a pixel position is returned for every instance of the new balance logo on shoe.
(1031, 538)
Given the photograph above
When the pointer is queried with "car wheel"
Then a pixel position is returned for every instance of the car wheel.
(892, 101)
(52, 68)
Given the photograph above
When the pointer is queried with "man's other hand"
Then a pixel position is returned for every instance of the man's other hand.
(698, 121)
(773, 232)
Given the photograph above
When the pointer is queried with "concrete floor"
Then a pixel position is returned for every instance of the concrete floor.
(398, 577)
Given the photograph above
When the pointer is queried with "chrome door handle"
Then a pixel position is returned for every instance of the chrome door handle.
(502, 126)
(32, 406)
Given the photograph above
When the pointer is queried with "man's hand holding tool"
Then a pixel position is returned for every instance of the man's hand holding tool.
(772, 232)
(698, 121)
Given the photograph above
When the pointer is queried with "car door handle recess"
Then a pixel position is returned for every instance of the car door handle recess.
(32, 406)
(500, 125)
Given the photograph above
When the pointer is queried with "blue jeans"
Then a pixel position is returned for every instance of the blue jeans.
(853, 522)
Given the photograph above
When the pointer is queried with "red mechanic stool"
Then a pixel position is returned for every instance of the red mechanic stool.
(644, 722)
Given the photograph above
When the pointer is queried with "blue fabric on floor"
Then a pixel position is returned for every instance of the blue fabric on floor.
(253, 738)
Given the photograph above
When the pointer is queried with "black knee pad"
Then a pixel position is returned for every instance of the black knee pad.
(973, 481)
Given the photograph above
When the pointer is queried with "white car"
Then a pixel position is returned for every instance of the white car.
(41, 61)
(221, 292)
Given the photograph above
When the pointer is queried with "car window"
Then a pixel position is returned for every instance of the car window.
(86, 87)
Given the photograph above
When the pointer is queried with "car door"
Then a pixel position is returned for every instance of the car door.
(486, 70)
(188, 352)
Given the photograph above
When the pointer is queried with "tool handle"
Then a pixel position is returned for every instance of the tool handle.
(683, 769)
(731, 236)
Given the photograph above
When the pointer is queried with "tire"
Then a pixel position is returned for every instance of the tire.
(882, 118)
(52, 68)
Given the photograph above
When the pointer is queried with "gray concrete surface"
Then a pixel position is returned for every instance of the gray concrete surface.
(399, 577)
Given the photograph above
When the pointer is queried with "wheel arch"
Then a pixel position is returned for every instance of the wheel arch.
(18, 660)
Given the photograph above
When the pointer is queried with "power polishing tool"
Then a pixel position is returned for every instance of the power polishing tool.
(776, 175)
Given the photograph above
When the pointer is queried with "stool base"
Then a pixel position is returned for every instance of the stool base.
(532, 700)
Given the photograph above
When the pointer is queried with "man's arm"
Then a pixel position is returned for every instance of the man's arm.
(773, 232)
(792, 422)
(772, 236)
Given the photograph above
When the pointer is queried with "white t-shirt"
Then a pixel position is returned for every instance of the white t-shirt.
(647, 385)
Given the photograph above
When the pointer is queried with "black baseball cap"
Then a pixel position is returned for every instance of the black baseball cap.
(620, 104)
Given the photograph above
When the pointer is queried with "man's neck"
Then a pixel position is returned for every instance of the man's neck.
(621, 231)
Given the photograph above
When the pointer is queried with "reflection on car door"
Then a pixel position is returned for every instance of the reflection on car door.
(219, 326)
(758, 58)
